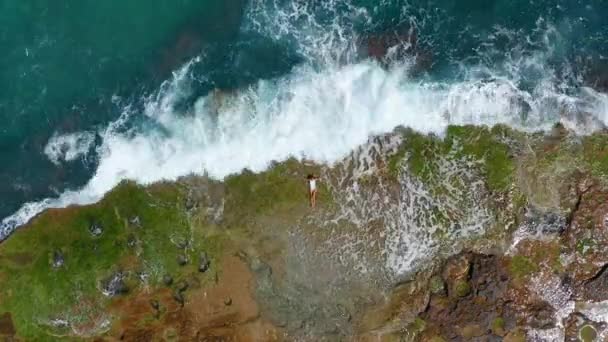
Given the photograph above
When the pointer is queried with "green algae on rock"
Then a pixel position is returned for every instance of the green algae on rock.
(65, 274)
(47, 299)
(487, 145)
(281, 188)
(587, 333)
(521, 266)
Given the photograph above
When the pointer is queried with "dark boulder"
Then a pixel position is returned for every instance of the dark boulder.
(167, 280)
(131, 241)
(182, 260)
(135, 221)
(203, 263)
(96, 229)
(179, 297)
(58, 259)
(182, 286)
(114, 285)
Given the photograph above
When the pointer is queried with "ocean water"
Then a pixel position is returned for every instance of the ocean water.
(94, 92)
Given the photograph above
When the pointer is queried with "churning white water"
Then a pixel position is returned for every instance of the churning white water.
(318, 115)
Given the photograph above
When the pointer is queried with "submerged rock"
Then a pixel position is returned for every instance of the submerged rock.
(114, 285)
(131, 241)
(135, 221)
(58, 259)
(96, 229)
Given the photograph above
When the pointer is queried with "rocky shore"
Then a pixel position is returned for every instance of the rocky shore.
(485, 234)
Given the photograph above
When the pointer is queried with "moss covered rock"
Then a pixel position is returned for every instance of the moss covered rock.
(59, 274)
(71, 273)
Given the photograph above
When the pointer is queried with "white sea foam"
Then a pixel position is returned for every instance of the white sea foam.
(68, 147)
(319, 115)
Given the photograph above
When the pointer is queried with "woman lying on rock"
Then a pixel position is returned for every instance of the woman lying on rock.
(312, 189)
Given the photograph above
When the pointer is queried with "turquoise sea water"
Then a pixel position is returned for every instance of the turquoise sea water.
(76, 66)
(63, 62)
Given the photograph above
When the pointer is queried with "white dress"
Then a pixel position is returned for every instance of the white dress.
(313, 184)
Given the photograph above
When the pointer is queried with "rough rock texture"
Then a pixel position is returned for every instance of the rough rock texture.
(485, 234)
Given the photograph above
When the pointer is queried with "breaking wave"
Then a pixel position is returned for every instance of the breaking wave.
(68, 147)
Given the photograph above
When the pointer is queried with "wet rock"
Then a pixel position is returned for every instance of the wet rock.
(155, 304)
(407, 301)
(344, 312)
(541, 224)
(437, 285)
(516, 335)
(579, 328)
(131, 241)
(135, 221)
(58, 259)
(59, 323)
(587, 233)
(143, 276)
(471, 331)
(477, 287)
(182, 286)
(462, 288)
(182, 260)
(539, 315)
(203, 263)
(596, 288)
(114, 285)
(181, 243)
(457, 268)
(167, 280)
(456, 273)
(498, 327)
(96, 229)
(190, 203)
(178, 296)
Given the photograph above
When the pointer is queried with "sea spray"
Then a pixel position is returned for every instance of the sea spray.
(68, 147)
(318, 115)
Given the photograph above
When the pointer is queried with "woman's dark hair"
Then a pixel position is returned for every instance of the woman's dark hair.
(310, 176)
